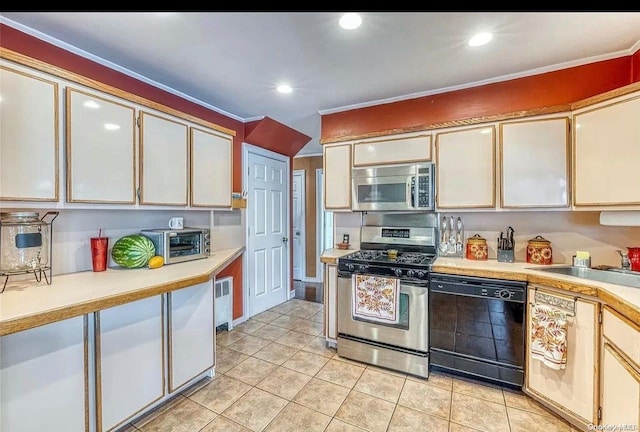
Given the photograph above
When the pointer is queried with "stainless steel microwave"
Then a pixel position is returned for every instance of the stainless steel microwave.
(393, 188)
(179, 245)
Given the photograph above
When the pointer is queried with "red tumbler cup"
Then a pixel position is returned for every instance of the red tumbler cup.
(99, 247)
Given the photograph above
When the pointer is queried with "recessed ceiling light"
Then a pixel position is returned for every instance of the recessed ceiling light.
(350, 21)
(480, 39)
(284, 88)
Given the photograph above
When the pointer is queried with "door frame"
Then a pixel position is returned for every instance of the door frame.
(246, 149)
(303, 229)
(320, 213)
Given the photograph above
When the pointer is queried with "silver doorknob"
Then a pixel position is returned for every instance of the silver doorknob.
(285, 239)
(297, 232)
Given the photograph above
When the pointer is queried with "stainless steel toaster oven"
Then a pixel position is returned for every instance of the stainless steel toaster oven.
(179, 245)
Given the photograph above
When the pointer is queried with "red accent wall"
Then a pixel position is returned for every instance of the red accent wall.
(538, 91)
(635, 67)
(235, 271)
(272, 135)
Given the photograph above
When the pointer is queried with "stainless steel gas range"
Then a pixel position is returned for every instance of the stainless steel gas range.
(401, 344)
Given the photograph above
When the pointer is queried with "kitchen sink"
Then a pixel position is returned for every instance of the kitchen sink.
(610, 275)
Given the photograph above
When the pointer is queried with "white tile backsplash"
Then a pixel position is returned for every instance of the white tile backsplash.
(568, 232)
(73, 228)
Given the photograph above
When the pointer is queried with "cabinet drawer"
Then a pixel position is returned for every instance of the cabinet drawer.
(622, 333)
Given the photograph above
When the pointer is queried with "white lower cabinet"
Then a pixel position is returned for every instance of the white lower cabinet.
(129, 347)
(620, 369)
(43, 386)
(569, 390)
(620, 389)
(191, 333)
(330, 302)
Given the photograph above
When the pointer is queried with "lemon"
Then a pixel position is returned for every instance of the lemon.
(155, 262)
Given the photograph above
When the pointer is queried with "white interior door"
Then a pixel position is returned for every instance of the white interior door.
(298, 202)
(268, 219)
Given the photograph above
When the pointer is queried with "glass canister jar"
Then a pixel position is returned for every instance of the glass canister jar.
(24, 242)
(477, 248)
(539, 251)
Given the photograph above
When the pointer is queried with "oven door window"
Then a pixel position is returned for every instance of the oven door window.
(403, 318)
(184, 244)
(488, 329)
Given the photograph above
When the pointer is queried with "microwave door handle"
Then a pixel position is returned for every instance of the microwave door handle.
(411, 196)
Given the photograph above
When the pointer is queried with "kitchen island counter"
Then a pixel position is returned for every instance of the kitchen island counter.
(24, 306)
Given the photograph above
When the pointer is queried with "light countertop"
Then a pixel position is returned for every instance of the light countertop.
(625, 300)
(26, 306)
(330, 256)
(622, 298)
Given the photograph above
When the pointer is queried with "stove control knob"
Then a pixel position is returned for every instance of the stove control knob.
(411, 273)
(421, 274)
(350, 267)
(398, 272)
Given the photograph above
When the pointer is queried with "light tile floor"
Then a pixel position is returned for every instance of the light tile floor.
(275, 374)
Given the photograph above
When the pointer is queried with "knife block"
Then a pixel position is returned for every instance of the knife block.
(506, 255)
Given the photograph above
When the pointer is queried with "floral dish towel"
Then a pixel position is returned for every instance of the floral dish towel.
(375, 298)
(549, 328)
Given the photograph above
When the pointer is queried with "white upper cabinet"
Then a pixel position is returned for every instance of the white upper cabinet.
(393, 150)
(465, 168)
(163, 165)
(534, 158)
(28, 137)
(100, 149)
(606, 153)
(337, 176)
(211, 168)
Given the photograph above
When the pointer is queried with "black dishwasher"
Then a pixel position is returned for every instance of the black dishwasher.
(476, 327)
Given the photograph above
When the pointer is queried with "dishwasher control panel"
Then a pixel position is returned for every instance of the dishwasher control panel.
(514, 291)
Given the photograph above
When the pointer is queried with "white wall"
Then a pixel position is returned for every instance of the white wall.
(568, 232)
(73, 228)
(347, 223)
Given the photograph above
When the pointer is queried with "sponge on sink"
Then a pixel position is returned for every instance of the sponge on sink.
(582, 255)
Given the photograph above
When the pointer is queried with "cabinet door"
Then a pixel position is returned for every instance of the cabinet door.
(191, 333)
(43, 386)
(392, 150)
(330, 299)
(100, 149)
(28, 137)
(465, 167)
(129, 360)
(606, 154)
(534, 158)
(163, 160)
(572, 389)
(211, 168)
(623, 333)
(337, 177)
(620, 390)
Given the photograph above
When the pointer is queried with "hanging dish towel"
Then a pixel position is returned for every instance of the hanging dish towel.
(375, 298)
(549, 336)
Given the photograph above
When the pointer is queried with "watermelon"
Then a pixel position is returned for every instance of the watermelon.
(133, 251)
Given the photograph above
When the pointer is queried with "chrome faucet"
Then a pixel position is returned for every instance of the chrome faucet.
(625, 264)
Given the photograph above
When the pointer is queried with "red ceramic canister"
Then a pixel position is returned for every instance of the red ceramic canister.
(539, 251)
(477, 248)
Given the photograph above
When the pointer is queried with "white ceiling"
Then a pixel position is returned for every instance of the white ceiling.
(232, 61)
